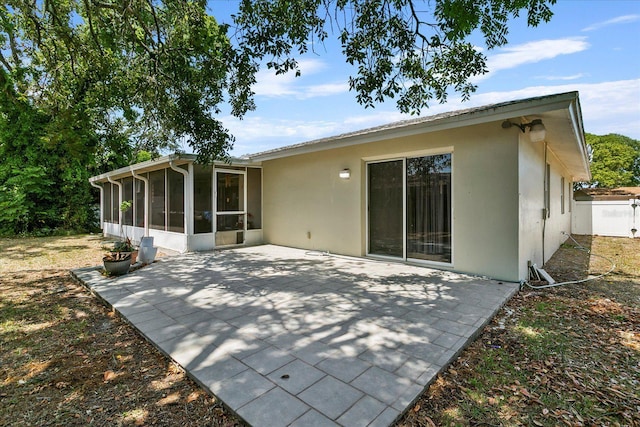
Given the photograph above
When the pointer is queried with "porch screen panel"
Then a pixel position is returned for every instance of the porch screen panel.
(156, 200)
(115, 203)
(386, 208)
(175, 195)
(127, 195)
(229, 203)
(429, 208)
(230, 192)
(254, 198)
(202, 199)
(106, 207)
(138, 201)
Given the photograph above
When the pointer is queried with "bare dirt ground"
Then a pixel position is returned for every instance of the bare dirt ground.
(560, 356)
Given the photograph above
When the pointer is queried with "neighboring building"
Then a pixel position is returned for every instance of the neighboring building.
(607, 212)
(461, 191)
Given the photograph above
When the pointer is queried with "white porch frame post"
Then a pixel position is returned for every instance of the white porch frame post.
(188, 213)
(93, 184)
(119, 199)
(146, 200)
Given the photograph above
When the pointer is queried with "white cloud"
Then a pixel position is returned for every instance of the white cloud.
(607, 107)
(536, 51)
(270, 85)
(565, 78)
(625, 19)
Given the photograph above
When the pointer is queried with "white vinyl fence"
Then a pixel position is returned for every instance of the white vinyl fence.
(618, 218)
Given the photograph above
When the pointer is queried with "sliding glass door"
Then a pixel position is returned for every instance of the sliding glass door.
(410, 208)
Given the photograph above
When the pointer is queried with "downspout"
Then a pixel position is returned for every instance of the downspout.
(119, 200)
(146, 200)
(93, 184)
(187, 199)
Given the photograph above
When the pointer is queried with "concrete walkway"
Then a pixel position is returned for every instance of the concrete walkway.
(288, 337)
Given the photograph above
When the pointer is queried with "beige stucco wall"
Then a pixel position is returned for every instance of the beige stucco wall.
(531, 164)
(307, 205)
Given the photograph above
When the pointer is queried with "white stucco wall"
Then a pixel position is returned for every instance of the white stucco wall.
(532, 166)
(307, 205)
(607, 218)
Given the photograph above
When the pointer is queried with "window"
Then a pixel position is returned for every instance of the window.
(202, 199)
(115, 204)
(127, 195)
(254, 198)
(547, 191)
(410, 208)
(138, 202)
(106, 207)
(562, 195)
(156, 200)
(175, 196)
(570, 193)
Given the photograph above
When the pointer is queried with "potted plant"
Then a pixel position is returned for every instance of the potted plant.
(117, 263)
(125, 246)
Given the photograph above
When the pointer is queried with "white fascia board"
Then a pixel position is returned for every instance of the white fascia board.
(158, 163)
(575, 113)
(149, 165)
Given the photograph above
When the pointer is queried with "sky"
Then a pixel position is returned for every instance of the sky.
(589, 46)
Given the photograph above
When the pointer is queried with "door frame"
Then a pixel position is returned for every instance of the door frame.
(404, 158)
(243, 212)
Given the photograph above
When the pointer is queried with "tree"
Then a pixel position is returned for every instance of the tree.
(615, 161)
(167, 67)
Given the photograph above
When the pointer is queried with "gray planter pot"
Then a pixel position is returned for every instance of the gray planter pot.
(117, 268)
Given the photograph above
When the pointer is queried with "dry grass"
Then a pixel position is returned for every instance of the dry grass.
(561, 356)
(66, 360)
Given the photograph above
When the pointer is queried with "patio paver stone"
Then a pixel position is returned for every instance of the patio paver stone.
(286, 337)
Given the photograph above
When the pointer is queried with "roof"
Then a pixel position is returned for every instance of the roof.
(620, 193)
(154, 164)
(560, 113)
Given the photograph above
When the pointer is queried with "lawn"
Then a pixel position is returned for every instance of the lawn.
(568, 355)
(66, 360)
(561, 356)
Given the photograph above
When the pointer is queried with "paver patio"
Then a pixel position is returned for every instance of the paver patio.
(289, 337)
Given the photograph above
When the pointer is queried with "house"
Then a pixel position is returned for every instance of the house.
(483, 191)
(607, 212)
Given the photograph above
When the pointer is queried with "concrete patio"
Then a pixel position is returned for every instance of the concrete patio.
(289, 337)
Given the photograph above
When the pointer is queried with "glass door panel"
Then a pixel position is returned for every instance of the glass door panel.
(429, 208)
(230, 208)
(386, 208)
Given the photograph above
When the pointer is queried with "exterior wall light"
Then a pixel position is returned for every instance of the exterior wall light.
(537, 131)
(345, 173)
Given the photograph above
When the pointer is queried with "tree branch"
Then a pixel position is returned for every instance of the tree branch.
(6, 63)
(91, 29)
